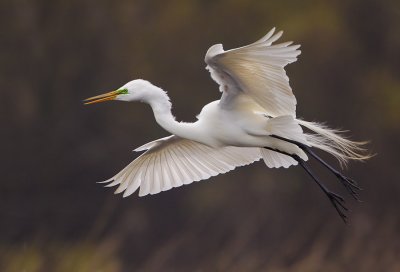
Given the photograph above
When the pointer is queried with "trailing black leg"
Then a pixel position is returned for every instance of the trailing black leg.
(336, 200)
(350, 184)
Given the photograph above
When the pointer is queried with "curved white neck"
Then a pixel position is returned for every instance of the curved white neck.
(163, 115)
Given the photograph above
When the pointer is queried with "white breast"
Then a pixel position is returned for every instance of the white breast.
(228, 127)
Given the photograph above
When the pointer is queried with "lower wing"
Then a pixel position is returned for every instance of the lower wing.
(173, 161)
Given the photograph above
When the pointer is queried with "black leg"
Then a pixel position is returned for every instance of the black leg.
(350, 184)
(336, 200)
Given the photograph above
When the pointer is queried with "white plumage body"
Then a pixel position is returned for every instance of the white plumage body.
(219, 141)
(256, 106)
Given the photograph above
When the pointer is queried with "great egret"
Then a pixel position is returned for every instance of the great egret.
(254, 119)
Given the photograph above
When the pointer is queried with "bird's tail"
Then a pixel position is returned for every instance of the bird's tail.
(333, 142)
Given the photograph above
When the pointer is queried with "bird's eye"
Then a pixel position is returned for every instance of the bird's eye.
(123, 91)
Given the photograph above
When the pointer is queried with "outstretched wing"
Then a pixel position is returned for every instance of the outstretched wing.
(173, 161)
(256, 70)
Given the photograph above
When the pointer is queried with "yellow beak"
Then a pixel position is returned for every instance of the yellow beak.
(101, 98)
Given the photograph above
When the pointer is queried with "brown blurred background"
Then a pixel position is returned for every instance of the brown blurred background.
(54, 217)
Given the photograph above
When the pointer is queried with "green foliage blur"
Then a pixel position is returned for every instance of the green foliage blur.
(54, 217)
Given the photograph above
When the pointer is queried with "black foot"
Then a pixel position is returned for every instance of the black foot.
(339, 204)
(350, 184)
(336, 200)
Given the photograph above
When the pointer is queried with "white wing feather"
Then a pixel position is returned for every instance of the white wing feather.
(172, 161)
(256, 70)
(275, 160)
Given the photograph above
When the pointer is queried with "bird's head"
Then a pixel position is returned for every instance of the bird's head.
(135, 90)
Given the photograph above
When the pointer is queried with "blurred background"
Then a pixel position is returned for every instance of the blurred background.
(54, 217)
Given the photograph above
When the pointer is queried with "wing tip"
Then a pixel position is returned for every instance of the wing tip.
(105, 181)
(125, 194)
(213, 51)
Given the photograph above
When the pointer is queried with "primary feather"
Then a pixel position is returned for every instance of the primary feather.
(173, 161)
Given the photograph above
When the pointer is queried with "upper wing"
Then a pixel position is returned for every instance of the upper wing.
(256, 70)
(173, 161)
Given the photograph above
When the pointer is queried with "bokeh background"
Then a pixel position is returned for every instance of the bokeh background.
(54, 217)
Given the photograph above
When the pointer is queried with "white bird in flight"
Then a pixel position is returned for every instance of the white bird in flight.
(254, 119)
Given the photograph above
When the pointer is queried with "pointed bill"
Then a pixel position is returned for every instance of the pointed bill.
(101, 98)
